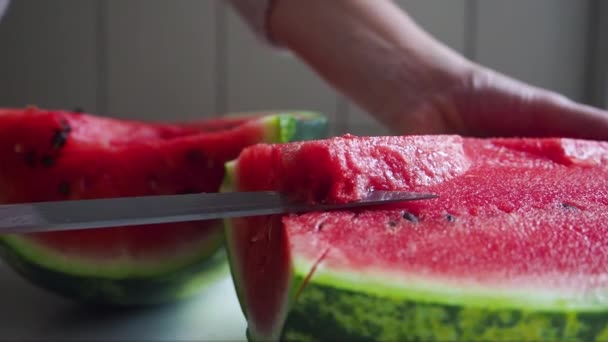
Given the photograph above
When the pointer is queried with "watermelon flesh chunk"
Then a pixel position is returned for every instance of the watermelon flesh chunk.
(52, 155)
(515, 247)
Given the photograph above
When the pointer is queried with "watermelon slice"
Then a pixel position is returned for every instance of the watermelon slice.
(515, 248)
(56, 155)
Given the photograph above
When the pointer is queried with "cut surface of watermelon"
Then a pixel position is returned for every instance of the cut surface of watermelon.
(515, 247)
(52, 155)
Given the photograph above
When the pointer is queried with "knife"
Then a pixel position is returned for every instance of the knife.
(128, 211)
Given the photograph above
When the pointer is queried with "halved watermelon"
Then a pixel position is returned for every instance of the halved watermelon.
(515, 248)
(57, 155)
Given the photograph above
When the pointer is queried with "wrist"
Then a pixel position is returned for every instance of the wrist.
(371, 51)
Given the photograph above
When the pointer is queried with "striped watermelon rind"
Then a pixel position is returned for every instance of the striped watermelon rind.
(178, 282)
(352, 306)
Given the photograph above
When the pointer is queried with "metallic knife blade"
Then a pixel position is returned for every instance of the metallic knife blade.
(127, 211)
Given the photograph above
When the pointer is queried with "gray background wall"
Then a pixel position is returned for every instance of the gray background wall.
(182, 59)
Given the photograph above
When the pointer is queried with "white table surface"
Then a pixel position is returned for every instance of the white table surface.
(28, 313)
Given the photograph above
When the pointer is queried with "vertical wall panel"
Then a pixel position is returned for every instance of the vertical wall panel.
(600, 84)
(260, 78)
(542, 42)
(48, 54)
(603, 102)
(160, 58)
(596, 91)
(443, 19)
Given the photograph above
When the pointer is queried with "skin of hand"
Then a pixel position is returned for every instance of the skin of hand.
(375, 54)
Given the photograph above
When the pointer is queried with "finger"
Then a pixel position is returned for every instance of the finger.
(500, 106)
(562, 117)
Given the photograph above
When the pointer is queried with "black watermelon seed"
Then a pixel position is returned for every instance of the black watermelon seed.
(64, 188)
(60, 136)
(450, 218)
(59, 139)
(319, 227)
(48, 161)
(409, 216)
(570, 206)
(65, 126)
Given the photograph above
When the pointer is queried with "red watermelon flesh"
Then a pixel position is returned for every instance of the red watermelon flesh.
(101, 157)
(519, 221)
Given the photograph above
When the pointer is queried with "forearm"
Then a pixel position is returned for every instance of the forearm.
(369, 50)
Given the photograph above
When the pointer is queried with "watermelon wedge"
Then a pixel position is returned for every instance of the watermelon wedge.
(515, 248)
(49, 155)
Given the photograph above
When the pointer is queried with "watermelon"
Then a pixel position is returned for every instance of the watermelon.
(515, 247)
(49, 155)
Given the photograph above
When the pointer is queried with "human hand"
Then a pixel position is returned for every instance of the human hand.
(375, 54)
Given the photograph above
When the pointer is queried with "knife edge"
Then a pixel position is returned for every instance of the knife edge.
(146, 210)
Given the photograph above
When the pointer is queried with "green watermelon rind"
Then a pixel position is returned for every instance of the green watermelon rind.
(177, 284)
(295, 126)
(45, 258)
(325, 312)
(425, 289)
(124, 284)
